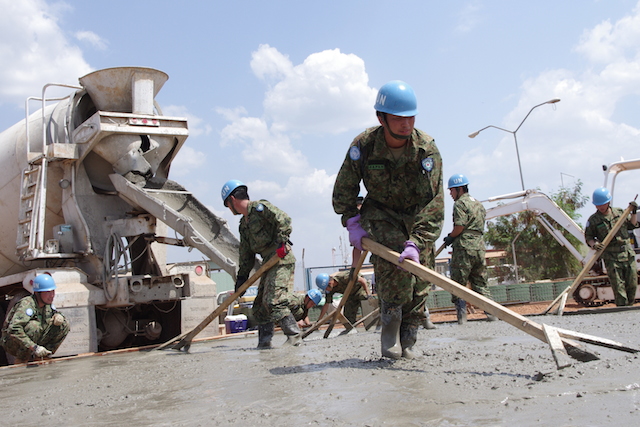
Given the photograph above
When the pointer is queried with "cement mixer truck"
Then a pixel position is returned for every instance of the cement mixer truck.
(85, 197)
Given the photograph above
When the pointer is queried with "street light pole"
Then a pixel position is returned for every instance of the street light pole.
(513, 132)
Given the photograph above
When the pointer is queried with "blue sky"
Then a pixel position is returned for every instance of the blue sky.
(275, 91)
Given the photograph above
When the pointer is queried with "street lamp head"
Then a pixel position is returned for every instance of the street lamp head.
(473, 135)
(553, 101)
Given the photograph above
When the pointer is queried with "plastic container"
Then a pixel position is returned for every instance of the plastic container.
(236, 323)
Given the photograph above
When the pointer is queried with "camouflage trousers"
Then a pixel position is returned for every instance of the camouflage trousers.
(46, 335)
(395, 285)
(275, 294)
(469, 266)
(623, 276)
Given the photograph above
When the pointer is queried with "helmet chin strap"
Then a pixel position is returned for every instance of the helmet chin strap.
(396, 136)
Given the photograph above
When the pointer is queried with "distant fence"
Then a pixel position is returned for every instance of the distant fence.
(521, 292)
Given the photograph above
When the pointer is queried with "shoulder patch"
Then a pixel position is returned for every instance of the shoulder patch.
(427, 164)
(260, 207)
(354, 153)
(29, 312)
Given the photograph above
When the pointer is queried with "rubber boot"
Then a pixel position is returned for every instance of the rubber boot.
(408, 338)
(428, 324)
(265, 333)
(391, 318)
(461, 311)
(490, 317)
(291, 330)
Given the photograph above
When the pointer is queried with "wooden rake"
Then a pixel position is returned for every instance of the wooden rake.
(563, 342)
(183, 341)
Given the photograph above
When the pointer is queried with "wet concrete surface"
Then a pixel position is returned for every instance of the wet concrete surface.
(478, 374)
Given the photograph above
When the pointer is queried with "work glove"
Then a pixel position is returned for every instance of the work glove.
(356, 232)
(634, 208)
(448, 240)
(40, 352)
(239, 282)
(282, 250)
(57, 319)
(410, 251)
(598, 246)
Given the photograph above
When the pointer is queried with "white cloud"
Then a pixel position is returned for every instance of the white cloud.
(186, 160)
(582, 132)
(92, 38)
(327, 94)
(608, 42)
(468, 17)
(37, 49)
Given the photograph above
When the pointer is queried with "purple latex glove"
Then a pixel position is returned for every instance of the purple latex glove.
(356, 232)
(410, 251)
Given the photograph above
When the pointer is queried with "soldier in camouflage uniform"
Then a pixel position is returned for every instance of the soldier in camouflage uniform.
(265, 230)
(301, 305)
(337, 284)
(401, 168)
(34, 328)
(619, 257)
(468, 262)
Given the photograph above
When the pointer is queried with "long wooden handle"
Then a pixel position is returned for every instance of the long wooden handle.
(186, 338)
(347, 292)
(593, 259)
(532, 328)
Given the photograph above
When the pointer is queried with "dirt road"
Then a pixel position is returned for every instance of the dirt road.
(478, 374)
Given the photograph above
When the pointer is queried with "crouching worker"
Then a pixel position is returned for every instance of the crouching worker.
(265, 230)
(34, 329)
(301, 306)
(337, 283)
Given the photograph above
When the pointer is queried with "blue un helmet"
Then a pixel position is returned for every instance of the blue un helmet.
(397, 98)
(229, 187)
(458, 180)
(601, 196)
(43, 283)
(322, 281)
(315, 296)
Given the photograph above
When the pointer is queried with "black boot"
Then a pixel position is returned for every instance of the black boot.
(461, 311)
(291, 330)
(391, 317)
(265, 333)
(408, 338)
(428, 324)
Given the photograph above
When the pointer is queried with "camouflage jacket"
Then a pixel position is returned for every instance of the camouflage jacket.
(261, 232)
(599, 225)
(297, 307)
(341, 279)
(27, 323)
(470, 214)
(407, 192)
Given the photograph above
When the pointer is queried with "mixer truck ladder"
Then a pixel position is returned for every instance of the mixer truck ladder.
(28, 230)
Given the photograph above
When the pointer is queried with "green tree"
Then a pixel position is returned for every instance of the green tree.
(538, 254)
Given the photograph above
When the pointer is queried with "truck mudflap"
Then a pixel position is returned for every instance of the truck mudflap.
(179, 209)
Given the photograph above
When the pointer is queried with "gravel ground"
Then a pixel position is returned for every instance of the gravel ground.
(478, 374)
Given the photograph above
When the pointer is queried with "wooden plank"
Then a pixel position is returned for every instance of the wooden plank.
(184, 340)
(530, 327)
(587, 266)
(603, 342)
(557, 347)
(371, 315)
(347, 292)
